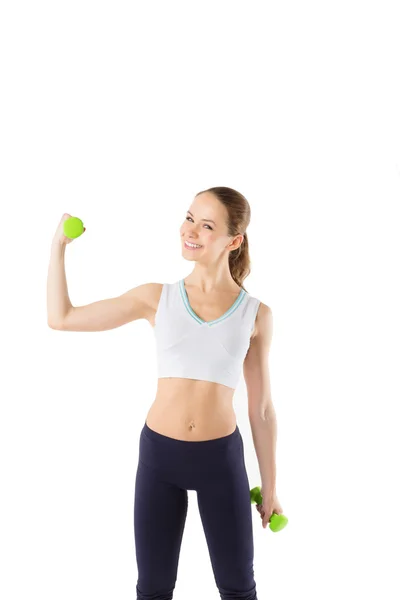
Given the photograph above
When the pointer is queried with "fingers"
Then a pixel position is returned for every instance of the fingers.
(261, 511)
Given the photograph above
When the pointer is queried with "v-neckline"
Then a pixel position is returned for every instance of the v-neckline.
(227, 314)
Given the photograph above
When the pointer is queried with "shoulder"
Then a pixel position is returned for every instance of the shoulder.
(148, 292)
(152, 294)
(263, 321)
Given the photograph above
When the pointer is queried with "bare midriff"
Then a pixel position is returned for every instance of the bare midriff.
(192, 410)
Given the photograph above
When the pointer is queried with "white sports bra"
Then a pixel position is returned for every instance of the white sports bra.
(191, 348)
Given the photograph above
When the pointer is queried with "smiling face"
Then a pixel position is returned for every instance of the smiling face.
(206, 225)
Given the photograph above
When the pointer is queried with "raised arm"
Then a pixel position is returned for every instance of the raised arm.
(109, 313)
(137, 303)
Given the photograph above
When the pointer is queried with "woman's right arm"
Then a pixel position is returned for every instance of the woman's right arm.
(98, 316)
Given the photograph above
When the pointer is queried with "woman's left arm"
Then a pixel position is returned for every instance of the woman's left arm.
(261, 411)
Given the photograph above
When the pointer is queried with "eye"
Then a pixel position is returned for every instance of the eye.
(204, 223)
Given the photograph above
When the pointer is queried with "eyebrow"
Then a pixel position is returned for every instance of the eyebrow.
(211, 221)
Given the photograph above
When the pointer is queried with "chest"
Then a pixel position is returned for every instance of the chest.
(180, 332)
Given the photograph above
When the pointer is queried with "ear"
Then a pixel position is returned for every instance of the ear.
(236, 242)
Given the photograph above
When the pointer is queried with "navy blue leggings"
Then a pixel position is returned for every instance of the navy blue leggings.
(167, 468)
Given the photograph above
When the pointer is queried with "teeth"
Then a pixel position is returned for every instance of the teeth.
(193, 245)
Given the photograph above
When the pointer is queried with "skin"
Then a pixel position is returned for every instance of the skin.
(211, 274)
(210, 279)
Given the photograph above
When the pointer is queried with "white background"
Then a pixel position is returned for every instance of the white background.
(119, 113)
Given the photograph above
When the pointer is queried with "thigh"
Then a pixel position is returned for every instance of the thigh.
(225, 510)
(160, 511)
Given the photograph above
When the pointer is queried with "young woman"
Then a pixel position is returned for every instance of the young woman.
(207, 328)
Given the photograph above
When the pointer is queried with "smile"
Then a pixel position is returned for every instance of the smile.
(192, 246)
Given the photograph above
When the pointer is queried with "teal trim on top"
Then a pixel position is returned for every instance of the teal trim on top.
(196, 317)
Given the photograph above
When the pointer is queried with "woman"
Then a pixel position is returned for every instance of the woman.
(207, 328)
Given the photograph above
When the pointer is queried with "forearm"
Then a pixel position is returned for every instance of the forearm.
(58, 302)
(264, 432)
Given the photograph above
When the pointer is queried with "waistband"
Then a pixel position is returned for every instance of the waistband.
(172, 442)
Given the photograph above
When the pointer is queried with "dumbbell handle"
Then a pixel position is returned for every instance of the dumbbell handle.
(276, 522)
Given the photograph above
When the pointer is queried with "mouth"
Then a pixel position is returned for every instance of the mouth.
(196, 247)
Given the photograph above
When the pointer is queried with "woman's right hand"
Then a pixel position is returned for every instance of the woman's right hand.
(59, 237)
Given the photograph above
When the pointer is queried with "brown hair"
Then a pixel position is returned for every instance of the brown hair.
(238, 220)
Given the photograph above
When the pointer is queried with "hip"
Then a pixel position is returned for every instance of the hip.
(216, 463)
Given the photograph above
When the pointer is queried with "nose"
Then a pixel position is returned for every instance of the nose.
(192, 233)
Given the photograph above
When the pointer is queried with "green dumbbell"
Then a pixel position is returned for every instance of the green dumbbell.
(276, 522)
(73, 227)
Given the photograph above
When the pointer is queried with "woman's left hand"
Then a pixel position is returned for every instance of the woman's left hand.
(269, 506)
